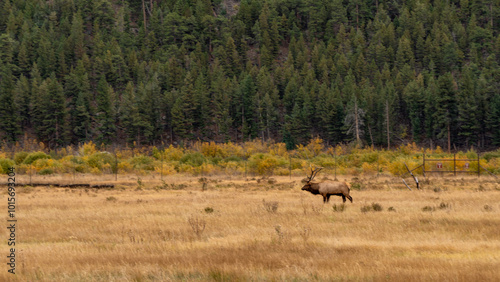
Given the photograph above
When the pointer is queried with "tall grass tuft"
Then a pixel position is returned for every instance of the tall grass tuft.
(339, 208)
(197, 225)
(270, 207)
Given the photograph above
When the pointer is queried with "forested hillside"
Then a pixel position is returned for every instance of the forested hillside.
(377, 72)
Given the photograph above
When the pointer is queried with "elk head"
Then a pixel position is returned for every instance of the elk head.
(307, 186)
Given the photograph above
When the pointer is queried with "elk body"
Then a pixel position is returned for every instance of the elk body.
(327, 189)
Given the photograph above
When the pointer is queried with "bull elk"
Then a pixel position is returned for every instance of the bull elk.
(326, 189)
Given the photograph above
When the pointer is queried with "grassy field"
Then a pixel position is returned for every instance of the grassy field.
(255, 230)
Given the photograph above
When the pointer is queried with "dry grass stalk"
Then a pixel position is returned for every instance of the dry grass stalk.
(68, 236)
(271, 207)
(197, 225)
(305, 232)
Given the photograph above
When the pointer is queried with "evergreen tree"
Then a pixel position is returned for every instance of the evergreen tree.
(331, 112)
(297, 130)
(445, 116)
(430, 107)
(130, 118)
(338, 15)
(182, 124)
(245, 109)
(49, 113)
(405, 53)
(290, 94)
(104, 112)
(222, 92)
(494, 117)
(46, 57)
(202, 110)
(23, 59)
(82, 121)
(9, 124)
(148, 118)
(267, 100)
(183, 110)
(467, 107)
(269, 69)
(414, 95)
(22, 100)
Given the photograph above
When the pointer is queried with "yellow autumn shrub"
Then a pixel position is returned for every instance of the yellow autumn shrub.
(278, 149)
(263, 164)
(210, 149)
(166, 169)
(87, 148)
(173, 153)
(369, 168)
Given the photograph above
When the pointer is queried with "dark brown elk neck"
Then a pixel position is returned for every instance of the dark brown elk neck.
(315, 185)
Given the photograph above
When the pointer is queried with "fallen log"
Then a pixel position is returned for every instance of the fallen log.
(74, 185)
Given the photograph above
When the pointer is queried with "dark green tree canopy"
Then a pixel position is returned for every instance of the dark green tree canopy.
(377, 72)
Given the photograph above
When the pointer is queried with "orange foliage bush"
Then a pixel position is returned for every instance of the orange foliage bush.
(262, 158)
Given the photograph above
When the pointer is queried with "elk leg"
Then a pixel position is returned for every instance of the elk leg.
(324, 198)
(328, 198)
(343, 198)
(350, 198)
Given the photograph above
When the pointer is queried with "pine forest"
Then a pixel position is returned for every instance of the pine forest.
(128, 72)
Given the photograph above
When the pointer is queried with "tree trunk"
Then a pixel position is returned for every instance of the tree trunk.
(356, 119)
(261, 129)
(371, 136)
(491, 14)
(267, 128)
(449, 138)
(57, 131)
(243, 123)
(217, 131)
(387, 121)
(144, 15)
(357, 16)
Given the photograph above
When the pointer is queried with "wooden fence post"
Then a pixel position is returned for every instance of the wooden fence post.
(478, 166)
(423, 170)
(455, 164)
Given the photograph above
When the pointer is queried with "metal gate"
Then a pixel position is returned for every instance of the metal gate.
(437, 165)
(431, 165)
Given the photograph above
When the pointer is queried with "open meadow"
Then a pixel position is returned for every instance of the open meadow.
(257, 229)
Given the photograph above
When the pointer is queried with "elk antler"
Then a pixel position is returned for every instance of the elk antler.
(313, 174)
(307, 176)
(316, 172)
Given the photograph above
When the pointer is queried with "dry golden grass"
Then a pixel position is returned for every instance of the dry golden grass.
(449, 231)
